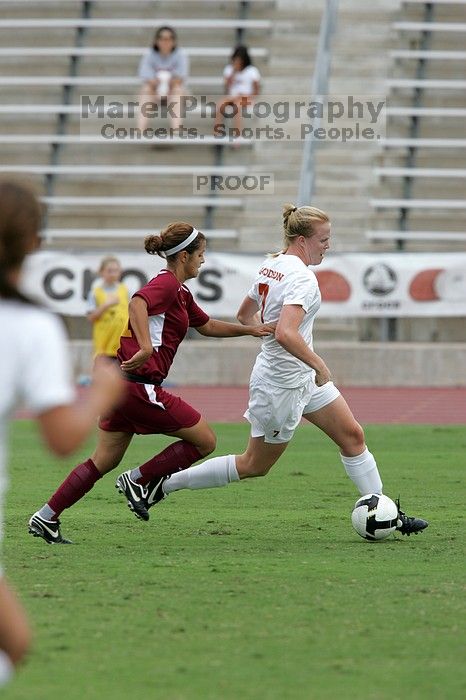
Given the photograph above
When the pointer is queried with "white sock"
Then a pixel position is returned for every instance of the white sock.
(363, 472)
(218, 471)
(6, 668)
(46, 512)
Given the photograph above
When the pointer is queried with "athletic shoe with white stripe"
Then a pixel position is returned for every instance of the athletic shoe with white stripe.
(49, 530)
(155, 492)
(135, 494)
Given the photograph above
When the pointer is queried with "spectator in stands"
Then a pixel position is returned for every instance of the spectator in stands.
(107, 308)
(164, 70)
(241, 85)
(34, 368)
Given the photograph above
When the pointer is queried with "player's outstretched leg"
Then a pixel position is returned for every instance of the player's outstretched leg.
(408, 525)
(141, 485)
(111, 446)
(49, 530)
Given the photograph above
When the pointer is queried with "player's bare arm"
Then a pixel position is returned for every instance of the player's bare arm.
(64, 427)
(222, 329)
(288, 335)
(139, 320)
(248, 313)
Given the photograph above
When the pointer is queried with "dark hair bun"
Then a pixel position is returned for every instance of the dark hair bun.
(153, 243)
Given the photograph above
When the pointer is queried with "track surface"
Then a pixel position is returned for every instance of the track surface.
(226, 404)
(369, 405)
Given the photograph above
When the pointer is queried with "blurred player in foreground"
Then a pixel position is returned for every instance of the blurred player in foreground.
(34, 369)
(289, 380)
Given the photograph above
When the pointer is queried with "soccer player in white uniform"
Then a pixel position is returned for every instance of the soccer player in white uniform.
(34, 369)
(289, 380)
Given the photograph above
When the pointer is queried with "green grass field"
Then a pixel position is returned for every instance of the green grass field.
(258, 591)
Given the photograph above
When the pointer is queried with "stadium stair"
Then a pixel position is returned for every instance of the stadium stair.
(419, 181)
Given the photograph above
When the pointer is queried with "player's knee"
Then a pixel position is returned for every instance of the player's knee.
(208, 444)
(355, 438)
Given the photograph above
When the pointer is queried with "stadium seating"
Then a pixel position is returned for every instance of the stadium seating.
(420, 172)
(57, 54)
(420, 191)
(36, 139)
(169, 203)
(417, 143)
(47, 71)
(418, 203)
(434, 55)
(204, 53)
(417, 236)
(119, 234)
(91, 169)
(430, 26)
(132, 23)
(41, 137)
(435, 2)
(444, 112)
(424, 84)
(103, 81)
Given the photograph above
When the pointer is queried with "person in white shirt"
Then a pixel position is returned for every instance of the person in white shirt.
(35, 370)
(289, 380)
(241, 85)
(164, 70)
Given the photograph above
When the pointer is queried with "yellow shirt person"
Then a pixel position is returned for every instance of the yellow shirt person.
(107, 306)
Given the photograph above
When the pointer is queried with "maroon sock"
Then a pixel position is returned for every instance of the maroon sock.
(77, 483)
(177, 456)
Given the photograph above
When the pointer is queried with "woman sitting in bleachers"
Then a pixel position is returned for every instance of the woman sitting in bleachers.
(241, 85)
(164, 70)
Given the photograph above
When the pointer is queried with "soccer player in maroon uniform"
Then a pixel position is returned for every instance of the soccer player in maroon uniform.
(159, 316)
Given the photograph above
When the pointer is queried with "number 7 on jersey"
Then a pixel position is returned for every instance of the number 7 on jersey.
(263, 289)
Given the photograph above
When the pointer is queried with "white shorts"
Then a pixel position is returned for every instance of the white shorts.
(274, 412)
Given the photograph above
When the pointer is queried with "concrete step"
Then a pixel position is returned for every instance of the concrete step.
(421, 189)
(124, 217)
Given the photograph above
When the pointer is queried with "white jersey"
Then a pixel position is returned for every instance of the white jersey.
(34, 367)
(243, 81)
(284, 280)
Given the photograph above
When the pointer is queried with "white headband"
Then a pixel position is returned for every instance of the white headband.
(184, 244)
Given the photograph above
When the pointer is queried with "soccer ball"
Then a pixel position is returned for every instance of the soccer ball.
(374, 516)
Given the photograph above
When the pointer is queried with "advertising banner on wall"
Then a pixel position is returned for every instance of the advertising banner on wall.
(356, 284)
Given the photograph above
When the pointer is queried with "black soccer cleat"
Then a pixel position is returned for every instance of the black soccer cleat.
(408, 525)
(155, 492)
(49, 530)
(135, 494)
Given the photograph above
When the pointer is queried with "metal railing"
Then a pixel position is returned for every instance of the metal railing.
(319, 88)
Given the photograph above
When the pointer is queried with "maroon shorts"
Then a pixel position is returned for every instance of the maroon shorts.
(148, 410)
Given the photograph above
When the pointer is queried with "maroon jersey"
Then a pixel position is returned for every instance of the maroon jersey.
(171, 310)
